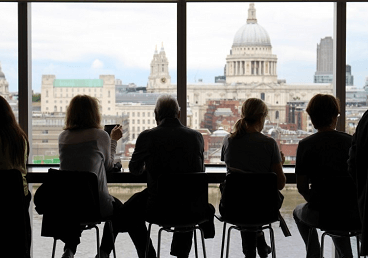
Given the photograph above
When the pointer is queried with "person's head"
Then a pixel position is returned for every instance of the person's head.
(82, 113)
(254, 112)
(323, 110)
(166, 107)
(13, 139)
(7, 117)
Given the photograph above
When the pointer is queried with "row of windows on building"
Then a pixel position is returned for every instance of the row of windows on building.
(139, 129)
(143, 121)
(76, 89)
(67, 101)
(133, 114)
(61, 95)
(66, 107)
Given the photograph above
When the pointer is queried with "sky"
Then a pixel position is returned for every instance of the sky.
(85, 40)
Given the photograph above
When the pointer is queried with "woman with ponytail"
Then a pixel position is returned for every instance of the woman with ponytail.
(246, 149)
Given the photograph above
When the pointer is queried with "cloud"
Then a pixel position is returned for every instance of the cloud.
(125, 34)
(97, 64)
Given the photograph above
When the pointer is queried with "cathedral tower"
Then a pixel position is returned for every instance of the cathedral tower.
(159, 79)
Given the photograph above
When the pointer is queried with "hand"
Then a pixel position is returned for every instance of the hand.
(282, 157)
(116, 132)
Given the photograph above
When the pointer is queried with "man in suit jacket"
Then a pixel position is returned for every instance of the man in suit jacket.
(170, 147)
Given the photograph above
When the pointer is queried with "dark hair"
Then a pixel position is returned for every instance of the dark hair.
(253, 110)
(13, 139)
(82, 113)
(322, 109)
(166, 107)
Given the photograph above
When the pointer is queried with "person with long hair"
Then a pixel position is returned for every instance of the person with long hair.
(84, 146)
(14, 151)
(246, 149)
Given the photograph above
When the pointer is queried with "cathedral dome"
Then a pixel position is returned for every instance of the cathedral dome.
(251, 34)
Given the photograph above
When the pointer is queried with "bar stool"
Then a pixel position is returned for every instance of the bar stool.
(338, 210)
(179, 207)
(250, 203)
(75, 201)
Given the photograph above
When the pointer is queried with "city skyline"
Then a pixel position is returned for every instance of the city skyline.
(113, 42)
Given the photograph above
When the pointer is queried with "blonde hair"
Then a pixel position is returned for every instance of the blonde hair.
(82, 113)
(253, 110)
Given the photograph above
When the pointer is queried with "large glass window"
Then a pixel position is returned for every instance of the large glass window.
(261, 50)
(356, 68)
(9, 54)
(122, 54)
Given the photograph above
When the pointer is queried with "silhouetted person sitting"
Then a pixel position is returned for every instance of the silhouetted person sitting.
(84, 146)
(358, 169)
(168, 148)
(321, 156)
(14, 151)
(246, 149)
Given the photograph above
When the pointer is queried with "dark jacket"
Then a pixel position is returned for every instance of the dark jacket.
(358, 168)
(168, 148)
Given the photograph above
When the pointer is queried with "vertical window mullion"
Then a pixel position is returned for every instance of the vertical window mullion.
(339, 70)
(24, 69)
(182, 59)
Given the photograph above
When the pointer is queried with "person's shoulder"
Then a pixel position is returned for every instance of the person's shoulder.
(148, 132)
(192, 130)
(310, 138)
(344, 135)
(99, 133)
(265, 138)
(63, 134)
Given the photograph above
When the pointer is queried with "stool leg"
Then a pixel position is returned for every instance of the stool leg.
(357, 240)
(112, 237)
(223, 239)
(272, 238)
(54, 248)
(309, 237)
(203, 245)
(148, 239)
(159, 242)
(228, 241)
(98, 240)
(195, 243)
(322, 243)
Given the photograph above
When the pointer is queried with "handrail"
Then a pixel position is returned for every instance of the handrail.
(125, 177)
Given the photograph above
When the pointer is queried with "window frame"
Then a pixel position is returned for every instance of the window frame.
(25, 59)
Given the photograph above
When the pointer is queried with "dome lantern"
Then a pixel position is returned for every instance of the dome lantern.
(252, 14)
(251, 33)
